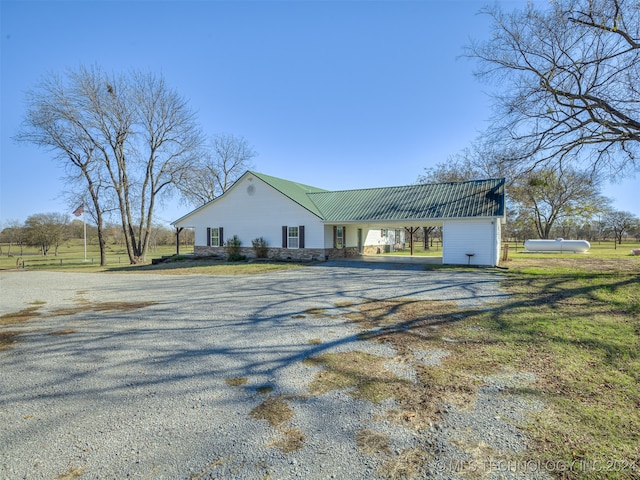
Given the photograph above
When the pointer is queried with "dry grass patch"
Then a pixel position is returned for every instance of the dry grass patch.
(204, 266)
(274, 410)
(409, 326)
(316, 312)
(480, 458)
(419, 325)
(21, 316)
(363, 373)
(264, 389)
(236, 381)
(405, 465)
(292, 439)
(7, 339)
(345, 304)
(72, 473)
(419, 320)
(66, 331)
(371, 442)
(86, 306)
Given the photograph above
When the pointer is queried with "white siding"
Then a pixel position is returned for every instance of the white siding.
(252, 209)
(470, 236)
(374, 236)
(351, 240)
(497, 241)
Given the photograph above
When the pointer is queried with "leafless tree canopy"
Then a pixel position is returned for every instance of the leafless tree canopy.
(124, 139)
(537, 199)
(570, 78)
(227, 157)
(550, 196)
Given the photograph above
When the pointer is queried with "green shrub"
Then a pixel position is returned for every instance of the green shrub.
(260, 247)
(233, 249)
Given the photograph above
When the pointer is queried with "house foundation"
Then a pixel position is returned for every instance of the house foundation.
(283, 254)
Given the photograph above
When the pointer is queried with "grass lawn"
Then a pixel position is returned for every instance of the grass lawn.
(575, 323)
(71, 258)
(573, 320)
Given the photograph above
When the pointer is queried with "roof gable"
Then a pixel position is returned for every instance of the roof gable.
(298, 192)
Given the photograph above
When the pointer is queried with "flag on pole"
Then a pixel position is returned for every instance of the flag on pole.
(79, 211)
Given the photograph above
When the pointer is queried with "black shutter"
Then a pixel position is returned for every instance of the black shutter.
(301, 236)
(220, 237)
(285, 235)
(208, 236)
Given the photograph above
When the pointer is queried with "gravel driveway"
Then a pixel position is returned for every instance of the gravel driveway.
(143, 393)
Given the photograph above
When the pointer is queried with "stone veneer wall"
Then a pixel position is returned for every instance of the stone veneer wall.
(375, 249)
(297, 254)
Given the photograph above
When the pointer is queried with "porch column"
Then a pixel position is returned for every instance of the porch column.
(178, 230)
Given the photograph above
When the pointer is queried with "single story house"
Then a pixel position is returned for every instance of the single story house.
(301, 222)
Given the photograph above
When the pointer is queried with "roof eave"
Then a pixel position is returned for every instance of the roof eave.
(409, 220)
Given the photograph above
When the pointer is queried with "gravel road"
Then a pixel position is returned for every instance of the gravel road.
(108, 392)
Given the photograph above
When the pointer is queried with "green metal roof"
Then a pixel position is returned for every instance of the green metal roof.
(478, 198)
(297, 192)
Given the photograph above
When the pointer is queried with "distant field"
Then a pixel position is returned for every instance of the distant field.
(71, 255)
(600, 249)
(605, 249)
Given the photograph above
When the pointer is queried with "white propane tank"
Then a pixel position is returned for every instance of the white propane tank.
(557, 245)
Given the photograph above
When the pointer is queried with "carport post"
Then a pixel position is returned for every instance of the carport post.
(178, 230)
(411, 231)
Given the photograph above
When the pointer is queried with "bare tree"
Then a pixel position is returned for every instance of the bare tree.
(127, 138)
(482, 159)
(570, 82)
(57, 120)
(537, 199)
(547, 197)
(621, 223)
(227, 158)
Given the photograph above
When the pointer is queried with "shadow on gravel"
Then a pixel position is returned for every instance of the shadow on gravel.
(130, 369)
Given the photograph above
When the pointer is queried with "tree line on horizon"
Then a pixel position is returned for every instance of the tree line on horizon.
(567, 118)
(49, 231)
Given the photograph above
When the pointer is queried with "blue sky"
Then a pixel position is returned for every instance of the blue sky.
(336, 94)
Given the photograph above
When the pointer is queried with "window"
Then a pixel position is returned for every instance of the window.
(339, 237)
(293, 237)
(214, 237)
